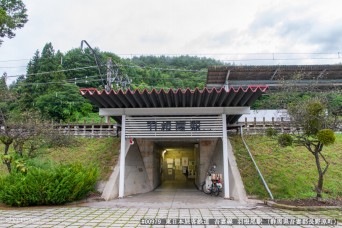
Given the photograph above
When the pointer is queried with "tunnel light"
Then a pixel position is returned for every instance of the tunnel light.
(163, 153)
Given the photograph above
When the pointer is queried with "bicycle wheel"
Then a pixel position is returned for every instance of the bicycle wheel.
(215, 190)
(205, 188)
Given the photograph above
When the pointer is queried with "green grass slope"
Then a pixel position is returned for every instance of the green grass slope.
(101, 152)
(289, 172)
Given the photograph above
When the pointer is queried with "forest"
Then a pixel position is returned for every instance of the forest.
(51, 85)
(52, 81)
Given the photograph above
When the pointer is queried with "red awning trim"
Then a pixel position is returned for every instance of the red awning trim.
(253, 88)
(206, 98)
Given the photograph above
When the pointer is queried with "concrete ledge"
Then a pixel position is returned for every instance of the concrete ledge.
(302, 208)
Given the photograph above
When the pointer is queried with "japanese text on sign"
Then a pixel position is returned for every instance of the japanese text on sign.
(193, 125)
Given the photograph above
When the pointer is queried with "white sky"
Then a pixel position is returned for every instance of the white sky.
(216, 28)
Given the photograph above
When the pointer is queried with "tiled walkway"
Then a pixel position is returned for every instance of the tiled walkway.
(166, 205)
(132, 217)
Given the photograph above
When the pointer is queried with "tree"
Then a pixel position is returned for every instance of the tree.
(314, 130)
(12, 16)
(63, 104)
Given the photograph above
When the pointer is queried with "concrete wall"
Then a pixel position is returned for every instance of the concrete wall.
(146, 148)
(204, 159)
(236, 187)
(136, 177)
(156, 166)
(141, 171)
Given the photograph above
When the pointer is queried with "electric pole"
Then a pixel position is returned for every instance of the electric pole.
(109, 74)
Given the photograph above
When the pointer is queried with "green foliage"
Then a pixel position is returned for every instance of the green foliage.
(12, 16)
(56, 98)
(278, 99)
(271, 132)
(64, 104)
(65, 183)
(290, 173)
(309, 115)
(20, 166)
(6, 158)
(326, 136)
(285, 140)
(335, 102)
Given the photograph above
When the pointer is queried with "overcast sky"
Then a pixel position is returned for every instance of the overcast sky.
(223, 29)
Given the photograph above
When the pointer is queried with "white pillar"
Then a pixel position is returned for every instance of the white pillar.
(225, 158)
(122, 158)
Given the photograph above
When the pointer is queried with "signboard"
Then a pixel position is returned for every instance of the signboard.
(173, 126)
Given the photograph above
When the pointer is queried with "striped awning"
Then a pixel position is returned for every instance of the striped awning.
(175, 98)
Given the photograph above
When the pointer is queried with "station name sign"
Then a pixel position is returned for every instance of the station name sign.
(173, 126)
(192, 125)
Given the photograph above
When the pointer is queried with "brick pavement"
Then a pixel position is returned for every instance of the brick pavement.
(131, 217)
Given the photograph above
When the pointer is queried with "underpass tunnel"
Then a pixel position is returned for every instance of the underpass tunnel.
(178, 164)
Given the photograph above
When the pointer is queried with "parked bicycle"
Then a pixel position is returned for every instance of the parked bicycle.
(212, 184)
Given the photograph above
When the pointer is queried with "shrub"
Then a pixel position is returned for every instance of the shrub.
(65, 183)
(326, 136)
(285, 140)
(271, 132)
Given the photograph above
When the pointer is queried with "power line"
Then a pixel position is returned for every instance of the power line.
(275, 59)
(50, 72)
(211, 54)
(12, 67)
(338, 53)
(85, 80)
(160, 68)
(122, 65)
(13, 60)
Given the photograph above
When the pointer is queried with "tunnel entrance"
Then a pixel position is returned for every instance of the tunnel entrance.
(178, 164)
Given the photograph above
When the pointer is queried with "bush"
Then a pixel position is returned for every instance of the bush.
(65, 183)
(271, 132)
(285, 140)
(326, 136)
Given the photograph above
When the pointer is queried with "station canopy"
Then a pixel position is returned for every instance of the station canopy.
(324, 76)
(180, 98)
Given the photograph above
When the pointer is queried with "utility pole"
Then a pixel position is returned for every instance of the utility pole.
(109, 74)
(112, 72)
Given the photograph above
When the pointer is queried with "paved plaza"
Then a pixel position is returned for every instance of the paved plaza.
(167, 206)
(132, 217)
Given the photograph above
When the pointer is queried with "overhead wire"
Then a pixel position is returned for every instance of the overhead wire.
(274, 54)
(13, 60)
(50, 72)
(86, 80)
(122, 65)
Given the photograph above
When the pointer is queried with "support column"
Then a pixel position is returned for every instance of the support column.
(225, 158)
(122, 158)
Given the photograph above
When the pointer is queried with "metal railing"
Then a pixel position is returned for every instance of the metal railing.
(256, 166)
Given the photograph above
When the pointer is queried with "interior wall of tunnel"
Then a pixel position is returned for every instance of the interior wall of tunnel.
(149, 163)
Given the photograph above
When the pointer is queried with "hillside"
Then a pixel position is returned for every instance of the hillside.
(100, 152)
(290, 172)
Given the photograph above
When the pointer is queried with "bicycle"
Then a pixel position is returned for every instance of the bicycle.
(212, 185)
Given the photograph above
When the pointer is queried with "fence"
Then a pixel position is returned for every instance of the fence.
(258, 127)
(87, 130)
(98, 130)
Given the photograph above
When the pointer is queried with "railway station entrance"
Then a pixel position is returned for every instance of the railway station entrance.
(173, 137)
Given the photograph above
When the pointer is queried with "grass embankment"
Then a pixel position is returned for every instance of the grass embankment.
(101, 152)
(290, 172)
